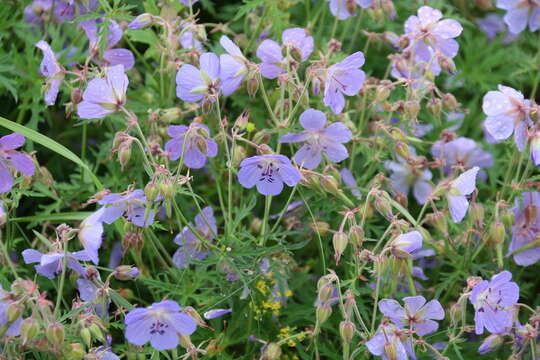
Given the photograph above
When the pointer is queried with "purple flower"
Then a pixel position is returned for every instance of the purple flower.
(507, 112)
(462, 153)
(111, 56)
(417, 314)
(191, 247)
(133, 205)
(343, 78)
(40, 10)
(194, 85)
(233, 66)
(388, 343)
(492, 25)
(491, 343)
(14, 328)
(187, 37)
(54, 72)
(189, 2)
(406, 175)
(104, 96)
(141, 21)
(464, 185)
(51, 264)
(526, 229)
(160, 324)
(408, 243)
(344, 9)
(193, 142)
(91, 234)
(268, 173)
(348, 179)
(318, 140)
(8, 156)
(89, 292)
(298, 43)
(215, 313)
(117, 253)
(521, 13)
(492, 301)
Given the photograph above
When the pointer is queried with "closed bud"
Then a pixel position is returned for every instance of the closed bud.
(76, 96)
(325, 292)
(96, 332)
(252, 87)
(485, 4)
(86, 336)
(55, 333)
(340, 241)
(412, 109)
(151, 191)
(166, 189)
(76, 351)
(438, 221)
(141, 21)
(450, 102)
(323, 312)
(126, 272)
(171, 114)
(491, 343)
(334, 46)
(29, 329)
(272, 351)
(447, 64)
(255, 226)
(14, 311)
(508, 218)
(347, 330)
(402, 149)
(390, 350)
(195, 315)
(389, 8)
(264, 150)
(382, 205)
(321, 227)
(356, 234)
(434, 105)
(242, 120)
(239, 154)
(497, 233)
(330, 184)
(382, 93)
(477, 213)
(124, 153)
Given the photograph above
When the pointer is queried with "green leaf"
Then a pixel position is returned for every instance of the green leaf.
(49, 144)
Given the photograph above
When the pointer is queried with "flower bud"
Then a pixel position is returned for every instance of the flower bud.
(447, 64)
(321, 227)
(126, 272)
(272, 351)
(195, 315)
(96, 332)
(55, 333)
(491, 343)
(330, 184)
(252, 87)
(450, 102)
(340, 241)
(334, 46)
(508, 218)
(412, 109)
(124, 153)
(438, 221)
(255, 226)
(346, 330)
(151, 191)
(14, 311)
(242, 120)
(323, 312)
(402, 149)
(86, 335)
(477, 213)
(497, 233)
(166, 188)
(76, 96)
(140, 21)
(356, 234)
(382, 205)
(390, 350)
(76, 351)
(434, 105)
(29, 329)
(170, 114)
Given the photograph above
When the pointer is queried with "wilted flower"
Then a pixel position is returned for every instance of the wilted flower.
(508, 112)
(8, 156)
(54, 72)
(161, 324)
(417, 314)
(193, 142)
(526, 229)
(492, 301)
(191, 247)
(319, 140)
(344, 9)
(464, 185)
(343, 78)
(104, 96)
(233, 66)
(91, 234)
(52, 264)
(521, 13)
(215, 313)
(194, 84)
(268, 173)
(133, 205)
(462, 153)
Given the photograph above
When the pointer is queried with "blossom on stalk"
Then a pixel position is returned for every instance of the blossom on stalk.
(492, 25)
(390, 343)
(132, 205)
(51, 69)
(193, 85)
(521, 13)
(9, 157)
(193, 142)
(417, 314)
(91, 234)
(233, 66)
(458, 191)
(462, 153)
(492, 301)
(406, 175)
(160, 324)
(407, 243)
(525, 247)
(52, 264)
(189, 2)
(104, 96)
(191, 247)
(344, 9)
(507, 112)
(318, 140)
(343, 78)
(348, 179)
(268, 173)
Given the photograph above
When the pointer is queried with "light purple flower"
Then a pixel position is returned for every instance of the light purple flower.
(508, 112)
(88, 291)
(189, 2)
(111, 56)
(526, 229)
(39, 10)
(464, 185)
(492, 25)
(141, 21)
(54, 72)
(492, 342)
(521, 13)
(492, 301)
(117, 253)
(14, 329)
(462, 153)
(193, 142)
(194, 84)
(215, 313)
(318, 140)
(159, 324)
(344, 9)
(233, 66)
(268, 173)
(348, 179)
(8, 156)
(188, 39)
(91, 234)
(388, 343)
(343, 78)
(409, 242)
(191, 247)
(417, 314)
(51, 264)
(104, 96)
(300, 46)
(405, 175)
(133, 205)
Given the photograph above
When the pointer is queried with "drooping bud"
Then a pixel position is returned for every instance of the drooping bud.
(124, 153)
(382, 205)
(347, 330)
(141, 21)
(323, 312)
(450, 102)
(330, 184)
(340, 241)
(412, 109)
(356, 234)
(252, 87)
(29, 329)
(434, 105)
(86, 335)
(151, 191)
(438, 221)
(491, 343)
(55, 333)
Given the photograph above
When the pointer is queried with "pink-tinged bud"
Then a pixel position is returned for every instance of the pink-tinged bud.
(347, 330)
(14, 311)
(382, 205)
(382, 93)
(126, 272)
(325, 292)
(166, 188)
(264, 149)
(412, 109)
(497, 233)
(340, 241)
(323, 312)
(356, 234)
(389, 9)
(402, 149)
(252, 87)
(450, 102)
(334, 46)
(29, 329)
(447, 64)
(76, 351)
(434, 105)
(272, 351)
(55, 333)
(242, 120)
(132, 240)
